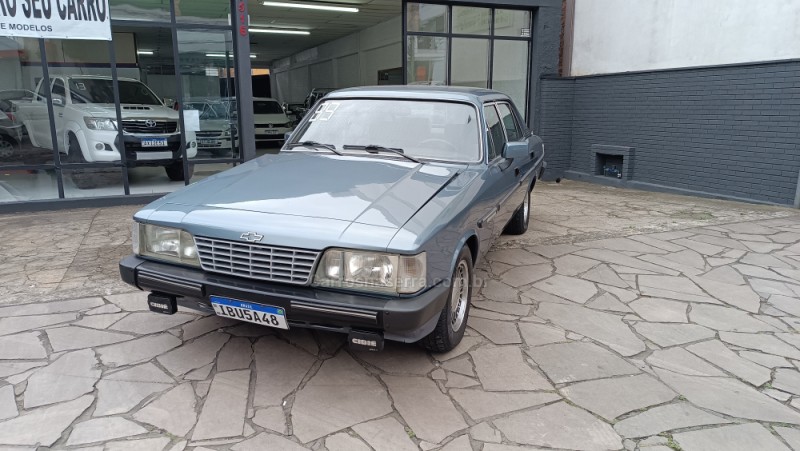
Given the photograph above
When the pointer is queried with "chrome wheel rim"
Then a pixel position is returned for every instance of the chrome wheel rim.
(526, 207)
(459, 295)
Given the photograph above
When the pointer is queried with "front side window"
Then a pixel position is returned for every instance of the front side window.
(497, 138)
(436, 130)
(513, 130)
(58, 91)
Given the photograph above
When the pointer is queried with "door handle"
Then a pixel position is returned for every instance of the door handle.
(60, 114)
(516, 172)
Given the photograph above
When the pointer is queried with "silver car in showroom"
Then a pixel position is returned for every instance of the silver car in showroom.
(369, 221)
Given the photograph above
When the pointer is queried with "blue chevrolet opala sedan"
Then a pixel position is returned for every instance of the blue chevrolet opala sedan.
(368, 222)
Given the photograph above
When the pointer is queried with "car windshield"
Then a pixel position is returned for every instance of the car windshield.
(435, 130)
(208, 110)
(99, 90)
(267, 107)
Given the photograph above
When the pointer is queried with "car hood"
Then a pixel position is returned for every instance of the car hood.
(129, 111)
(270, 118)
(365, 190)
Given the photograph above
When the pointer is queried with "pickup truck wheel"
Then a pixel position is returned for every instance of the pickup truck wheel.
(87, 178)
(519, 222)
(7, 146)
(175, 171)
(453, 319)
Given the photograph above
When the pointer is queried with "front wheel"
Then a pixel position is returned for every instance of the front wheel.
(519, 222)
(175, 171)
(453, 319)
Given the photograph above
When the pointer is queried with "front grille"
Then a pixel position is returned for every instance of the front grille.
(256, 261)
(202, 134)
(270, 125)
(140, 126)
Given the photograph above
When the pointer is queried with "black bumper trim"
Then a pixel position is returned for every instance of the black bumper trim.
(402, 319)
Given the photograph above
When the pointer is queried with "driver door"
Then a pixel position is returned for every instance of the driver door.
(502, 174)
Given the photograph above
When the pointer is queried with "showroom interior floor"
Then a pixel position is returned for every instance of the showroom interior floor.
(621, 319)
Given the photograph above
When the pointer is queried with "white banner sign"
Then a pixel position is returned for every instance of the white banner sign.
(58, 19)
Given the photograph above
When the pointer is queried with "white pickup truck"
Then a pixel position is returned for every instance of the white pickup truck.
(86, 125)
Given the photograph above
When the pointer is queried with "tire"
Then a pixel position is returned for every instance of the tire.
(519, 222)
(218, 153)
(81, 178)
(175, 171)
(7, 147)
(453, 319)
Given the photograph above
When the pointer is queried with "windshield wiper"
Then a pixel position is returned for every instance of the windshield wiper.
(374, 148)
(315, 145)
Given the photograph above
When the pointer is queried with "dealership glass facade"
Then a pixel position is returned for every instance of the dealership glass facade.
(146, 113)
(156, 108)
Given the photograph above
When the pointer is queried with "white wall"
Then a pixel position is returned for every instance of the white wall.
(353, 60)
(627, 35)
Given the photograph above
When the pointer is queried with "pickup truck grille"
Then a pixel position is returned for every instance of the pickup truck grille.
(208, 134)
(256, 261)
(140, 126)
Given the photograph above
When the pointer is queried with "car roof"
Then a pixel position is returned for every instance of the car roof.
(453, 93)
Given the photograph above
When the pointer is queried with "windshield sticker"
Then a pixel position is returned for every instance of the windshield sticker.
(80, 86)
(325, 111)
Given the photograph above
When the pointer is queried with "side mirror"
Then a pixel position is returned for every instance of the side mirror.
(514, 150)
(58, 101)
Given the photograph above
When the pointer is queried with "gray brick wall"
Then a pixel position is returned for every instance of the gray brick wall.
(731, 131)
(556, 101)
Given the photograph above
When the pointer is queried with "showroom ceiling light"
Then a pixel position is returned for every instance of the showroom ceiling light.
(145, 52)
(222, 55)
(279, 31)
(341, 9)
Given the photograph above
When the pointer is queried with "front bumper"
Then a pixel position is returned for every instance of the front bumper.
(399, 319)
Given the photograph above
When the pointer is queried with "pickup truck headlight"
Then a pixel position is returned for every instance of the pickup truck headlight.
(371, 271)
(165, 243)
(100, 123)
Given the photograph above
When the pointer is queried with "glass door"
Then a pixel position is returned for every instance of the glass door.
(207, 103)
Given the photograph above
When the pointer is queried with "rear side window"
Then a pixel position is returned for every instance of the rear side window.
(513, 130)
(497, 138)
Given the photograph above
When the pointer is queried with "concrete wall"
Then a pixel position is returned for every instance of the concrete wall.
(624, 35)
(353, 60)
(728, 131)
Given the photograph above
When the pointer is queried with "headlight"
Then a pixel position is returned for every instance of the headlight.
(371, 271)
(100, 123)
(165, 243)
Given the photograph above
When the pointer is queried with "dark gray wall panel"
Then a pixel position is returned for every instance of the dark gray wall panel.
(729, 130)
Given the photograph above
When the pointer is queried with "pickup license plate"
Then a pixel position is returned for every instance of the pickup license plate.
(266, 315)
(154, 142)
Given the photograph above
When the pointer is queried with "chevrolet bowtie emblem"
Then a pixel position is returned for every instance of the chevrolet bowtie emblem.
(252, 237)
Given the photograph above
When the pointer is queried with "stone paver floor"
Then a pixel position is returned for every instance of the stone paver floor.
(622, 319)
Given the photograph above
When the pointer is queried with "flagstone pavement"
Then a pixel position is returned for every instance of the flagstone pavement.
(621, 320)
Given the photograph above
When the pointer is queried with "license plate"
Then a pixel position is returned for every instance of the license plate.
(266, 315)
(207, 142)
(154, 142)
(271, 131)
